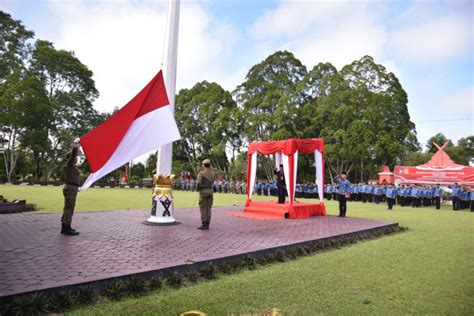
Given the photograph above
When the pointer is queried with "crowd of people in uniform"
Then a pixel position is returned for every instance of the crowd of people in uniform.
(406, 195)
(403, 195)
(219, 186)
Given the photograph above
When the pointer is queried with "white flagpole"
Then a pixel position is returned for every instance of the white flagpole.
(162, 213)
(165, 154)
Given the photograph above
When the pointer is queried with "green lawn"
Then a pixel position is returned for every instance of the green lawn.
(50, 199)
(427, 270)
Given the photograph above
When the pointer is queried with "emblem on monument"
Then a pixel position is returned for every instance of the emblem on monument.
(162, 200)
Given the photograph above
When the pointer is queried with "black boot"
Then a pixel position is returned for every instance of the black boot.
(69, 231)
(204, 226)
(63, 228)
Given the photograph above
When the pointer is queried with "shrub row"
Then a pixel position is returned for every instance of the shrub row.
(62, 301)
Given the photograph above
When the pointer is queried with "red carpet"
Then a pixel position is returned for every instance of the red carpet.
(266, 210)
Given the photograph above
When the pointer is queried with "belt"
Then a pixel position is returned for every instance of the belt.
(73, 184)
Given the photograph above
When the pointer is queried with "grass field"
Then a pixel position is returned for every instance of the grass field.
(428, 270)
(50, 199)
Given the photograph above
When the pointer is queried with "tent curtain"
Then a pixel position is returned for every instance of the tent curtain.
(278, 160)
(288, 147)
(286, 170)
(253, 175)
(318, 163)
(290, 168)
(286, 153)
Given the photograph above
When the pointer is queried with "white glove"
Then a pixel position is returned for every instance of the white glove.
(77, 143)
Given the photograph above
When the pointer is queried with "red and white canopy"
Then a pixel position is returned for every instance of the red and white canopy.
(286, 153)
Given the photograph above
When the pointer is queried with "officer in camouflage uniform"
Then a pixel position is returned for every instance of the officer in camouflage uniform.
(205, 181)
(71, 187)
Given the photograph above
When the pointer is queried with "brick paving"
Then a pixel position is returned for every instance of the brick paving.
(34, 256)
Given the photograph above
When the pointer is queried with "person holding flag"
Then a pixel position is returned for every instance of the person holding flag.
(71, 187)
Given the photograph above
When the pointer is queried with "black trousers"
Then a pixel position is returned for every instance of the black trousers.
(438, 202)
(364, 197)
(281, 195)
(400, 200)
(377, 199)
(390, 202)
(455, 203)
(342, 205)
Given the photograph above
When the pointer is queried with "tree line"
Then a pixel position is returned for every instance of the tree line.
(47, 97)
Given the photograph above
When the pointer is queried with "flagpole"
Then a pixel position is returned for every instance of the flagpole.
(165, 152)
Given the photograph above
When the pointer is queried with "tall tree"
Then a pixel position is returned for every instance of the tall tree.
(14, 45)
(17, 95)
(70, 91)
(365, 117)
(263, 97)
(204, 116)
(439, 139)
(14, 52)
(268, 100)
(463, 152)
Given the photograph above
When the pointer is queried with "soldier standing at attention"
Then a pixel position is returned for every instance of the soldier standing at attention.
(456, 193)
(437, 192)
(391, 194)
(281, 185)
(343, 192)
(71, 187)
(205, 181)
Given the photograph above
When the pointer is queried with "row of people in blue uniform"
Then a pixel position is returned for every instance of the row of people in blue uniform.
(462, 197)
(219, 186)
(404, 195)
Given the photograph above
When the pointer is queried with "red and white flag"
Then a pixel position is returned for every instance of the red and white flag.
(142, 125)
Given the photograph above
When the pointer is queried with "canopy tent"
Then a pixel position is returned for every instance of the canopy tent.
(386, 177)
(286, 153)
(440, 169)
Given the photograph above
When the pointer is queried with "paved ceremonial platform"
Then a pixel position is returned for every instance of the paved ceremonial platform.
(34, 256)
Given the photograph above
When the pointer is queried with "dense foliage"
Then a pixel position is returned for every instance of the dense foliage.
(47, 96)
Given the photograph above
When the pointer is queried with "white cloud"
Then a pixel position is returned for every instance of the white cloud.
(341, 45)
(435, 39)
(338, 32)
(461, 101)
(123, 44)
(292, 18)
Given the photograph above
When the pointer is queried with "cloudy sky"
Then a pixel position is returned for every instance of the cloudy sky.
(428, 44)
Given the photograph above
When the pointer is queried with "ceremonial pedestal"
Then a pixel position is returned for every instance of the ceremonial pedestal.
(162, 202)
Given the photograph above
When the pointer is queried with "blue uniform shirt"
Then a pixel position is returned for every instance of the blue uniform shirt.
(391, 193)
(344, 185)
(465, 195)
(456, 191)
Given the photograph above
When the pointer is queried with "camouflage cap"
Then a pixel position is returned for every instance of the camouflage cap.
(206, 162)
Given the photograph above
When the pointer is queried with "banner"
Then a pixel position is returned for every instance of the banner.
(464, 175)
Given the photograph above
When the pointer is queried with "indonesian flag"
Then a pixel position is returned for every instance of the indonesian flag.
(142, 125)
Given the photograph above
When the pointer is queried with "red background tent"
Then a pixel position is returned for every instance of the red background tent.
(286, 153)
(440, 169)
